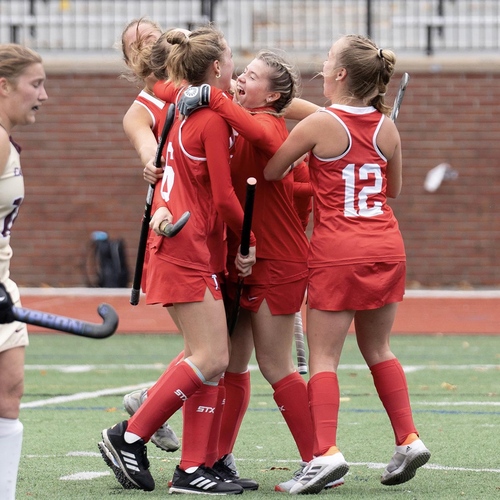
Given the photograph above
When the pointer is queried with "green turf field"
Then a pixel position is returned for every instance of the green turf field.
(74, 389)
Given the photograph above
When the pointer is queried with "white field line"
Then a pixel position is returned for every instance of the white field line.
(123, 390)
(417, 368)
(457, 403)
(87, 475)
(91, 368)
(79, 396)
(372, 465)
(159, 366)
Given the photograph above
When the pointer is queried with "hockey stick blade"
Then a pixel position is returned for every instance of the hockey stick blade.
(172, 229)
(71, 325)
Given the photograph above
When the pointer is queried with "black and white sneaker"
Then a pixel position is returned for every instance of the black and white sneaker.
(203, 481)
(129, 462)
(230, 475)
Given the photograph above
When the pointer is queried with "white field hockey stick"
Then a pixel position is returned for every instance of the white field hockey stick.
(300, 344)
(399, 96)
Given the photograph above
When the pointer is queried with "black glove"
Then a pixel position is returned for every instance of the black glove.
(6, 304)
(193, 99)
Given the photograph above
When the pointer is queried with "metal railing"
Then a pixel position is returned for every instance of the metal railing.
(306, 26)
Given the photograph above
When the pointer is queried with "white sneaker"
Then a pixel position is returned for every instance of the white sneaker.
(405, 462)
(164, 437)
(286, 486)
(319, 472)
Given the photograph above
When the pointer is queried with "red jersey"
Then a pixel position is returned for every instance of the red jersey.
(302, 193)
(276, 224)
(154, 106)
(352, 221)
(197, 179)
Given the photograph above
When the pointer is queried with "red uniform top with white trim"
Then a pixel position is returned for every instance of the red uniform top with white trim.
(275, 222)
(155, 107)
(197, 179)
(352, 221)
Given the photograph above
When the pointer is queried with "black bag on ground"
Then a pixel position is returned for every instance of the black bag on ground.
(110, 265)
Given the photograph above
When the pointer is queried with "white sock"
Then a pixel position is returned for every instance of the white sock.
(11, 440)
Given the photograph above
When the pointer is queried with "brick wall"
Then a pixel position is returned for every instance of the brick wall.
(82, 175)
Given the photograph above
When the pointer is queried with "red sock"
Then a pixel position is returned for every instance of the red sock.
(390, 382)
(198, 415)
(177, 385)
(324, 401)
(237, 398)
(290, 394)
(213, 444)
(172, 363)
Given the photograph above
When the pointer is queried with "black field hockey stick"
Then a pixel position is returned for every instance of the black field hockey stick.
(143, 239)
(10, 313)
(234, 309)
(71, 325)
(399, 96)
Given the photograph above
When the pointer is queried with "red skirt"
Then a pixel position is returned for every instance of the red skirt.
(356, 287)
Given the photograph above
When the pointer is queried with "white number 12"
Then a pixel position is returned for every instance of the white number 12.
(349, 176)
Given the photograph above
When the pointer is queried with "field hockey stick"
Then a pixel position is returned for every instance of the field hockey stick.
(399, 96)
(143, 239)
(69, 325)
(300, 346)
(232, 317)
